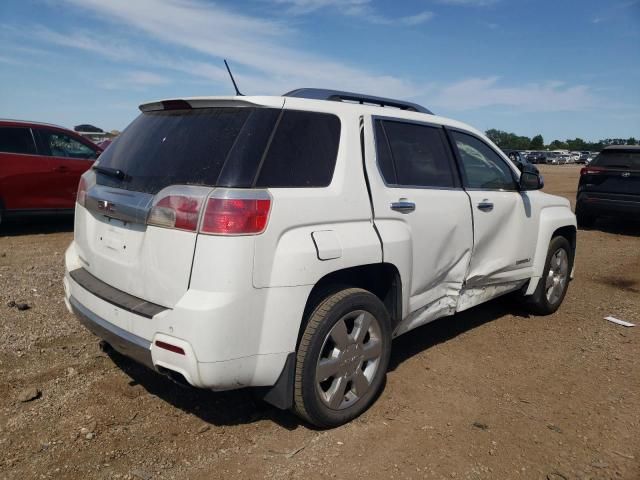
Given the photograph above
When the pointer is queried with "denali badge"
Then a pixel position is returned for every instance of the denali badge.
(106, 206)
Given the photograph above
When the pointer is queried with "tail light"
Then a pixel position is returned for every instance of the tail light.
(81, 195)
(591, 170)
(178, 207)
(236, 216)
(223, 212)
(87, 180)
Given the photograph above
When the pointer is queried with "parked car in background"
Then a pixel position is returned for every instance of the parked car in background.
(519, 158)
(283, 242)
(610, 185)
(40, 167)
(584, 156)
(537, 157)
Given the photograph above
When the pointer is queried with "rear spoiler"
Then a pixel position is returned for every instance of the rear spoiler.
(212, 102)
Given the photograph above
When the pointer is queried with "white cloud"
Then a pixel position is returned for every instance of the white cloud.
(301, 7)
(551, 96)
(265, 61)
(259, 50)
(361, 9)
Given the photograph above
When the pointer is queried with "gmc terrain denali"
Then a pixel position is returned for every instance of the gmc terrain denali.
(282, 242)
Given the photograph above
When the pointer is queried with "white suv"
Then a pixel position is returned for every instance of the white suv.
(282, 242)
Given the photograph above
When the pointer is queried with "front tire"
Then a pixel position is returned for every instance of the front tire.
(342, 358)
(552, 286)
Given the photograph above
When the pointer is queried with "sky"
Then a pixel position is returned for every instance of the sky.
(560, 68)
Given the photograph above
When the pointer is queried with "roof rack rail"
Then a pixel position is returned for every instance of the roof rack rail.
(338, 96)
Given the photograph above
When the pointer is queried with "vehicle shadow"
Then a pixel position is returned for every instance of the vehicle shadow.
(617, 226)
(446, 328)
(36, 225)
(234, 407)
(245, 406)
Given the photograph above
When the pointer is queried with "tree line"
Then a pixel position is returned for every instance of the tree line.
(517, 142)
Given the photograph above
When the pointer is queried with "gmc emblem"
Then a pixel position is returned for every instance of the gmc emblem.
(106, 206)
(626, 174)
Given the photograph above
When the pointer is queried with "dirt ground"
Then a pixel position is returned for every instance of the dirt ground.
(489, 394)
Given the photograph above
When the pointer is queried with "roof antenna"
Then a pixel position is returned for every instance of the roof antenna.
(232, 79)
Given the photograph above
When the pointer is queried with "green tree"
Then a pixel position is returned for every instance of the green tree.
(632, 141)
(576, 144)
(558, 145)
(537, 143)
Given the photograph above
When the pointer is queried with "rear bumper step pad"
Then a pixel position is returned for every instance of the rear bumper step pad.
(114, 296)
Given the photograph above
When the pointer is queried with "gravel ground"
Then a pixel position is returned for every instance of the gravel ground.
(492, 393)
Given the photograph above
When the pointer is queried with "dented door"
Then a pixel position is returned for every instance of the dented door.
(421, 213)
(505, 224)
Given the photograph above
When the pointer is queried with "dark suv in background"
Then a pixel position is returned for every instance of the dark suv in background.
(610, 185)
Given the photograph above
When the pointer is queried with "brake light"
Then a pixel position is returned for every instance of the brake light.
(81, 195)
(236, 216)
(591, 170)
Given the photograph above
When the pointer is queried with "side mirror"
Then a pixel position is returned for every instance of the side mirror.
(530, 179)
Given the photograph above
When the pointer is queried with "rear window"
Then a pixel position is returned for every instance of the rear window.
(628, 159)
(16, 140)
(230, 147)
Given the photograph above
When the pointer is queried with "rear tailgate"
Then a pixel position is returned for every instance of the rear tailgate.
(613, 172)
(148, 262)
(136, 227)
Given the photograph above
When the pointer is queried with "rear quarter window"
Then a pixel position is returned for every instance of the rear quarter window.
(17, 140)
(303, 151)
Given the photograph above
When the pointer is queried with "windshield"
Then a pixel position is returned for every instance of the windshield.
(628, 159)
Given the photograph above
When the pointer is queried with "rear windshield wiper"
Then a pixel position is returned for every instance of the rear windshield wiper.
(112, 172)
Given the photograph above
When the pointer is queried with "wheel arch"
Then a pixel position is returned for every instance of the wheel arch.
(381, 279)
(554, 221)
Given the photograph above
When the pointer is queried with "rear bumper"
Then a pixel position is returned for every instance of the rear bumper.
(229, 340)
(122, 341)
(608, 203)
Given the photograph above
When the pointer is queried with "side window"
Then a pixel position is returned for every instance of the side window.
(61, 145)
(413, 155)
(483, 168)
(17, 140)
(303, 151)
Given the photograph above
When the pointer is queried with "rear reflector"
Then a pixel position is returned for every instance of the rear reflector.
(168, 346)
(235, 216)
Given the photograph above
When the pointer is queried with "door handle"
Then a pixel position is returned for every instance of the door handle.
(485, 205)
(61, 169)
(403, 206)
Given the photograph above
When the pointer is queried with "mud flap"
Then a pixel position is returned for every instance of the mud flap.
(281, 394)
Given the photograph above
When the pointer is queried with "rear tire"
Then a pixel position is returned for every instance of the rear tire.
(342, 358)
(553, 284)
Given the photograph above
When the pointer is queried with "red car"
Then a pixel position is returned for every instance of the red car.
(40, 167)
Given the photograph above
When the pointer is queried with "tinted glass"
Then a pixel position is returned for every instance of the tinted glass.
(483, 167)
(303, 151)
(629, 159)
(420, 155)
(16, 140)
(60, 145)
(385, 161)
(178, 147)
